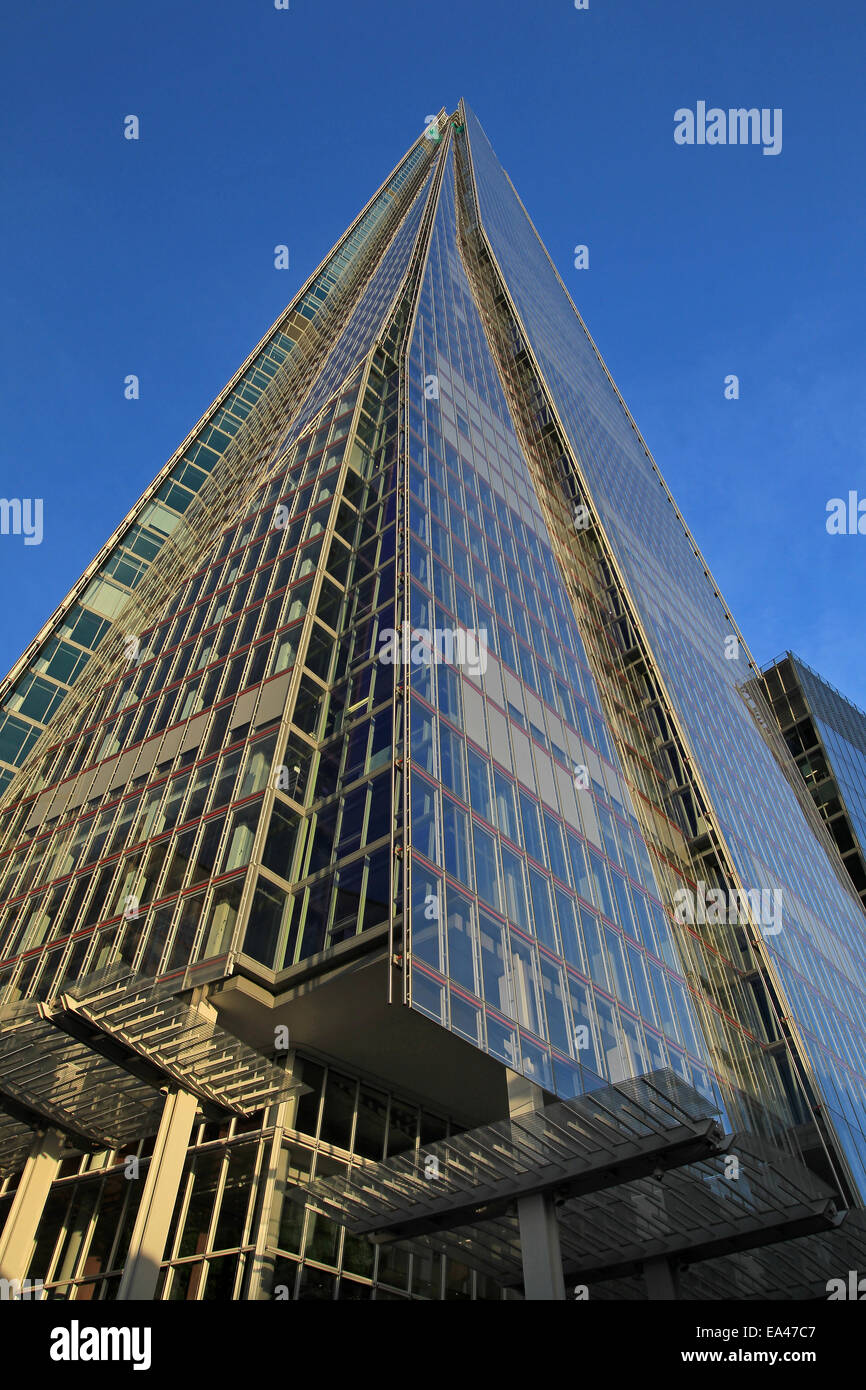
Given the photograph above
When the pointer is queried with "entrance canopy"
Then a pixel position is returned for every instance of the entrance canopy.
(639, 1171)
(94, 1061)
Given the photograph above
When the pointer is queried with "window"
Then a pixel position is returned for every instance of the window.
(265, 921)
(242, 831)
(494, 963)
(278, 854)
(556, 849)
(515, 888)
(423, 724)
(258, 766)
(486, 867)
(479, 785)
(449, 693)
(425, 818)
(455, 836)
(452, 769)
(569, 931)
(220, 919)
(461, 947)
(427, 914)
(533, 839)
(542, 909)
(524, 968)
(506, 807)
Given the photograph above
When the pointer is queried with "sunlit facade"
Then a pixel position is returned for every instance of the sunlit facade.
(395, 889)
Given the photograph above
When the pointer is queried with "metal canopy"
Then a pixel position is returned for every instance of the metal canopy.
(794, 1270)
(92, 1064)
(572, 1147)
(797, 1269)
(697, 1212)
(59, 1082)
(166, 1032)
(639, 1170)
(16, 1141)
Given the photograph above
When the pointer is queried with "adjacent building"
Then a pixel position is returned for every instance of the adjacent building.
(826, 734)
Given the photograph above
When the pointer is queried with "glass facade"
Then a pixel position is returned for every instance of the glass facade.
(537, 931)
(815, 966)
(198, 755)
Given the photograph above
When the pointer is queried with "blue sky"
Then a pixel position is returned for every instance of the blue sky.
(261, 127)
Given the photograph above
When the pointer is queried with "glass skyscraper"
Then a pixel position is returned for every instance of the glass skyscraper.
(367, 793)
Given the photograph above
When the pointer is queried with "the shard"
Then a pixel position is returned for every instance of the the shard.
(396, 839)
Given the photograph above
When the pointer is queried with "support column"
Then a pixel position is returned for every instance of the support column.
(539, 1230)
(661, 1279)
(539, 1243)
(273, 1183)
(19, 1231)
(150, 1232)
